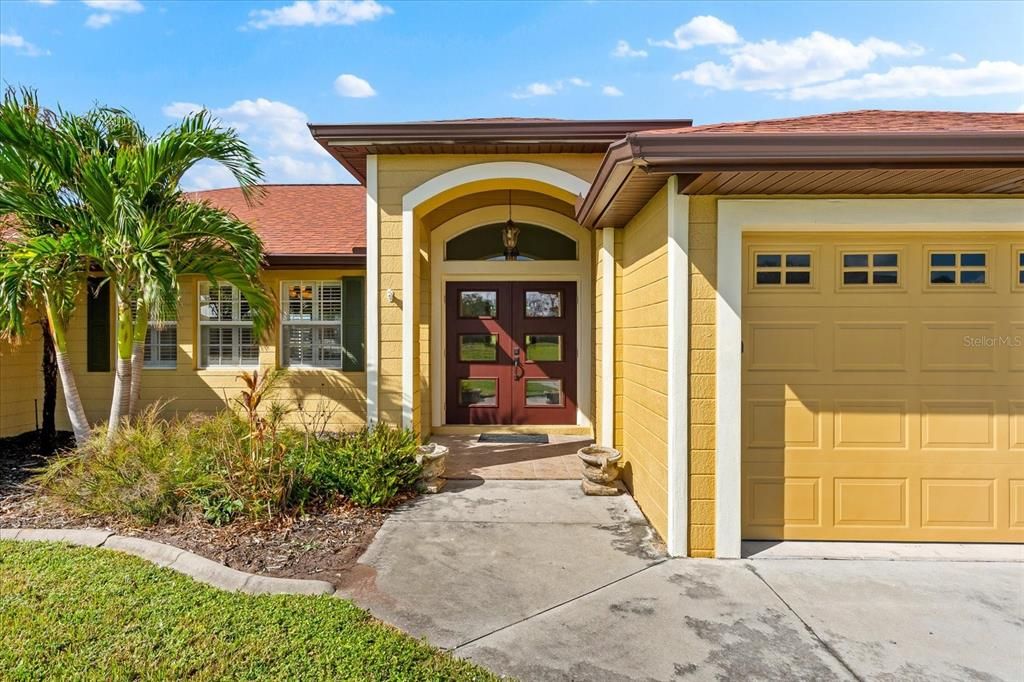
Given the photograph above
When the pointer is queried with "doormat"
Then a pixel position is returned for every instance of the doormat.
(539, 438)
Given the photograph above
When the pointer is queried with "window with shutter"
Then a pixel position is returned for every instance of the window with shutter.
(354, 324)
(97, 336)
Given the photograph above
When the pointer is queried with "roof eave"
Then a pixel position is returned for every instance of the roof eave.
(315, 260)
(666, 154)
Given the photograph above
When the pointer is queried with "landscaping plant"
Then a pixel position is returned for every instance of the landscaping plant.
(235, 464)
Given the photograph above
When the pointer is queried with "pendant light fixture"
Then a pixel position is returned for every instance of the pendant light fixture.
(510, 234)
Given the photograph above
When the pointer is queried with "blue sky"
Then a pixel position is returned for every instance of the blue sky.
(269, 67)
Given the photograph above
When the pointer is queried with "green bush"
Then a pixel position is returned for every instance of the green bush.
(221, 468)
(369, 466)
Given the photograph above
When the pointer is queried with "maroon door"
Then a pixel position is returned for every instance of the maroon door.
(511, 353)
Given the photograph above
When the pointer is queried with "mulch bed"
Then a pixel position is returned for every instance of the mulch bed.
(322, 544)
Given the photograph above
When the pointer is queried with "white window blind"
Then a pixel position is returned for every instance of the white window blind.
(311, 323)
(226, 337)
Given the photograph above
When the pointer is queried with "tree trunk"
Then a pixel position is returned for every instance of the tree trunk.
(138, 358)
(48, 434)
(121, 398)
(76, 411)
(139, 330)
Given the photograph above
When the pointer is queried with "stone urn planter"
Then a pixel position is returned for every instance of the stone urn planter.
(432, 458)
(600, 470)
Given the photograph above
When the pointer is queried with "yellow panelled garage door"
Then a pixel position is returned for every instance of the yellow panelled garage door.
(883, 387)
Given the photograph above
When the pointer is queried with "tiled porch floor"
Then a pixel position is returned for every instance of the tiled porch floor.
(509, 461)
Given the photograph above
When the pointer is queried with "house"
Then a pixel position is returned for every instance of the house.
(804, 328)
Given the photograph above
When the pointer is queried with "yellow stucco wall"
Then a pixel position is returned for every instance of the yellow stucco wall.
(21, 383)
(189, 389)
(643, 320)
(703, 260)
(396, 176)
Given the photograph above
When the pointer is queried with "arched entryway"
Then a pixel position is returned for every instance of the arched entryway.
(530, 363)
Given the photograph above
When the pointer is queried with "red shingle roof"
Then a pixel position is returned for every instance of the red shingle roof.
(867, 120)
(301, 219)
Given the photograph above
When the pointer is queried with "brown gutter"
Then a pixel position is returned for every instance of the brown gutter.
(361, 136)
(497, 131)
(695, 152)
(315, 260)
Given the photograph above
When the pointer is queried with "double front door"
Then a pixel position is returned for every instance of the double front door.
(511, 353)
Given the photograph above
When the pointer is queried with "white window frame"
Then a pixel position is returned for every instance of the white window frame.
(159, 328)
(157, 325)
(314, 322)
(236, 321)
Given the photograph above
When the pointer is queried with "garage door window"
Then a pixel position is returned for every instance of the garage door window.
(782, 269)
(1020, 268)
(948, 268)
(871, 269)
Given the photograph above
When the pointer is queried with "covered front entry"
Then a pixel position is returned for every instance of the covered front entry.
(511, 353)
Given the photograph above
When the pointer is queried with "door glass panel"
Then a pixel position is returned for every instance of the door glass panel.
(544, 347)
(478, 392)
(478, 304)
(478, 347)
(543, 303)
(544, 392)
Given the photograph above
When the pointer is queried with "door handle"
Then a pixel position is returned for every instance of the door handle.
(517, 366)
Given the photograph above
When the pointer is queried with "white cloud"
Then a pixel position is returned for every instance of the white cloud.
(99, 20)
(349, 85)
(128, 6)
(107, 10)
(45, 2)
(773, 65)
(536, 90)
(319, 13)
(987, 78)
(207, 176)
(955, 57)
(277, 133)
(547, 89)
(1020, 109)
(180, 109)
(611, 91)
(20, 45)
(624, 50)
(702, 30)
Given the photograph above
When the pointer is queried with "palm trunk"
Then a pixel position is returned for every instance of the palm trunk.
(138, 355)
(122, 371)
(136, 379)
(48, 433)
(76, 410)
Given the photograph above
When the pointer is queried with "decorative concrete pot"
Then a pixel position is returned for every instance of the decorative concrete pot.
(600, 470)
(432, 458)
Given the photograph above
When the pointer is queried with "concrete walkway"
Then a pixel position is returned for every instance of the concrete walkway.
(532, 579)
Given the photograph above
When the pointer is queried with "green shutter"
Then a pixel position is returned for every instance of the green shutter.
(97, 337)
(353, 324)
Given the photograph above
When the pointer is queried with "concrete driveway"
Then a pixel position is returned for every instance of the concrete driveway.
(533, 580)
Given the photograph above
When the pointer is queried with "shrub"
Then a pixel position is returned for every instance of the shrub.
(230, 465)
(369, 466)
(144, 474)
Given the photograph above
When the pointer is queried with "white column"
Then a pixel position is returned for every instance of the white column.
(728, 381)
(408, 302)
(678, 369)
(607, 435)
(372, 292)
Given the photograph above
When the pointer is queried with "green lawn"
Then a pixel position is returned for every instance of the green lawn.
(81, 613)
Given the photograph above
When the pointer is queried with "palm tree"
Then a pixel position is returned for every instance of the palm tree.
(147, 232)
(40, 268)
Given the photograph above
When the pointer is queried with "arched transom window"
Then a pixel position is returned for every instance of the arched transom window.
(535, 242)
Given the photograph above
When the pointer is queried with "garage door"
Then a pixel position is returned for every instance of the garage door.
(883, 387)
